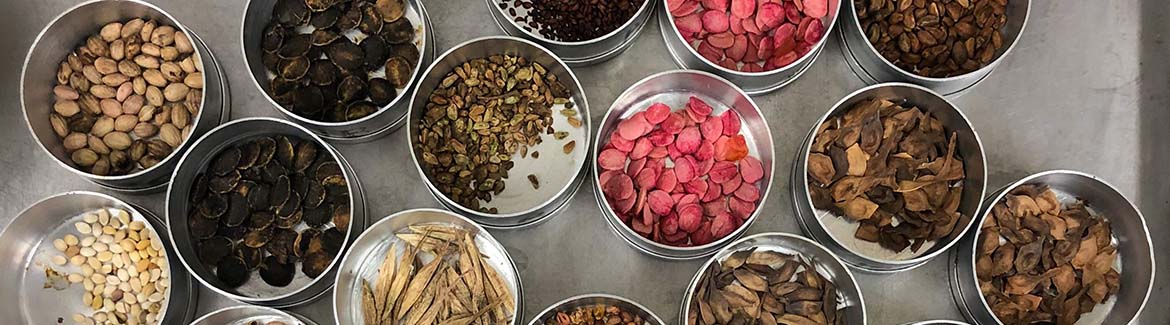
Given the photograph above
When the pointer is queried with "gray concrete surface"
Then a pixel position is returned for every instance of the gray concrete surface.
(1087, 89)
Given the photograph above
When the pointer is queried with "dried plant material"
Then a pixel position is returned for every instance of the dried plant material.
(1044, 261)
(440, 278)
(750, 286)
(596, 314)
(891, 168)
(936, 39)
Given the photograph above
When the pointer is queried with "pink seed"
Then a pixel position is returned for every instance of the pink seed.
(605, 176)
(706, 151)
(784, 60)
(723, 225)
(741, 209)
(660, 202)
(620, 187)
(634, 127)
(698, 106)
(736, 26)
(684, 169)
(803, 27)
(714, 207)
(814, 32)
(711, 129)
(657, 164)
(717, 5)
(714, 191)
(702, 236)
(729, 64)
(677, 197)
(688, 140)
(715, 21)
(723, 171)
(635, 166)
(743, 8)
(705, 166)
(658, 152)
(785, 38)
(657, 113)
(666, 180)
(690, 217)
(765, 47)
(672, 151)
(721, 40)
(674, 123)
(623, 207)
(802, 48)
(686, 8)
(611, 159)
(696, 186)
(674, 4)
(659, 138)
(677, 239)
(641, 228)
(641, 148)
(730, 122)
(751, 169)
(738, 49)
(816, 8)
(620, 143)
(750, 56)
(689, 24)
(749, 25)
(792, 13)
(647, 177)
(748, 193)
(687, 199)
(770, 16)
(709, 52)
(641, 200)
(669, 225)
(731, 184)
(648, 216)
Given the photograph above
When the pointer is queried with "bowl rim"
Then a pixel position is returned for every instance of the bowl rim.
(194, 121)
(558, 305)
(350, 177)
(517, 297)
(274, 311)
(806, 200)
(984, 70)
(581, 103)
(425, 38)
(611, 216)
(646, 5)
(1031, 179)
(806, 59)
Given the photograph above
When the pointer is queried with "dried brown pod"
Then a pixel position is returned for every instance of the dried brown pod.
(763, 285)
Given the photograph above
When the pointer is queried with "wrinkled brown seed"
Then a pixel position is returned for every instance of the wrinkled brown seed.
(755, 286)
(935, 38)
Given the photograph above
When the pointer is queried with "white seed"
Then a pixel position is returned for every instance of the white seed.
(60, 260)
(88, 251)
(88, 241)
(71, 239)
(89, 218)
(77, 260)
(76, 278)
(60, 245)
(103, 217)
(100, 247)
(83, 227)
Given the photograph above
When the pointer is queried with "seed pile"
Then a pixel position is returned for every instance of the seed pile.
(455, 286)
(275, 322)
(935, 38)
(123, 268)
(128, 97)
(483, 113)
(892, 169)
(755, 286)
(751, 35)
(338, 60)
(572, 20)
(1041, 261)
(596, 314)
(247, 207)
(711, 188)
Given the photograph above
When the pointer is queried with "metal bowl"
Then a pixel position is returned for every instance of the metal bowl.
(837, 232)
(593, 299)
(828, 265)
(872, 68)
(579, 53)
(560, 175)
(937, 322)
(303, 289)
(674, 88)
(257, 13)
(754, 83)
(364, 258)
(30, 237)
(245, 315)
(60, 37)
(1136, 260)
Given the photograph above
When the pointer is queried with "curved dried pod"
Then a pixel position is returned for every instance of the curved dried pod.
(390, 10)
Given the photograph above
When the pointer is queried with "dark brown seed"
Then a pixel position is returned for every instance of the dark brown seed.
(315, 264)
(295, 46)
(322, 37)
(257, 238)
(534, 181)
(325, 19)
(232, 271)
(317, 217)
(261, 220)
(294, 68)
(398, 71)
(226, 162)
(323, 72)
(275, 272)
(290, 12)
(360, 109)
(238, 210)
(346, 55)
(381, 91)
(391, 10)
(350, 19)
(214, 206)
(376, 51)
(341, 217)
(408, 52)
(371, 23)
(282, 244)
(226, 183)
(252, 257)
(284, 151)
(351, 88)
(249, 154)
(273, 37)
(200, 226)
(213, 249)
(398, 32)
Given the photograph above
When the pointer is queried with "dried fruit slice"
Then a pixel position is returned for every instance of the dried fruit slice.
(715, 21)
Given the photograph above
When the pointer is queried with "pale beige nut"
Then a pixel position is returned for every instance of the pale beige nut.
(163, 35)
(182, 43)
(170, 134)
(111, 107)
(147, 29)
(147, 113)
(118, 140)
(118, 50)
(181, 118)
(129, 68)
(154, 96)
(84, 157)
(75, 141)
(103, 91)
(104, 125)
(66, 108)
(96, 46)
(64, 92)
(90, 104)
(171, 71)
(145, 130)
(169, 53)
(176, 92)
(124, 91)
(111, 31)
(151, 49)
(194, 80)
(132, 27)
(139, 86)
(125, 123)
(105, 66)
(133, 104)
(188, 65)
(60, 126)
(91, 74)
(146, 61)
(154, 77)
(163, 116)
(97, 145)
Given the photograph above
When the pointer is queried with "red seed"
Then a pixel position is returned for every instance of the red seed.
(814, 32)
(802, 27)
(647, 178)
(687, 199)
(696, 186)
(730, 122)
(784, 60)
(657, 164)
(666, 180)
(738, 49)
(648, 215)
(678, 239)
(686, 8)
(684, 169)
(740, 208)
(705, 152)
(816, 8)
(689, 24)
(714, 207)
(723, 225)
(698, 106)
(743, 8)
(635, 166)
(657, 113)
(769, 16)
(677, 197)
(634, 127)
(705, 166)
(641, 228)
(611, 159)
(765, 47)
(620, 143)
(674, 4)
(623, 207)
(674, 123)
(729, 64)
(620, 187)
(688, 37)
(723, 171)
(688, 140)
(709, 52)
(792, 13)
(711, 129)
(785, 40)
(736, 26)
(658, 152)
(672, 151)
(750, 56)
(669, 225)
(748, 193)
(722, 40)
(659, 202)
(731, 148)
(715, 21)
(714, 191)
(750, 26)
(751, 169)
(690, 217)
(731, 184)
(802, 48)
(702, 236)
(718, 5)
(641, 200)
(605, 176)
(641, 148)
(659, 138)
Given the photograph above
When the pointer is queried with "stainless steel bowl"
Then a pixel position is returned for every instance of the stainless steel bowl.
(579, 53)
(937, 322)
(674, 88)
(364, 258)
(560, 175)
(754, 83)
(872, 68)
(836, 232)
(593, 299)
(257, 13)
(303, 289)
(61, 37)
(29, 247)
(1136, 260)
(828, 265)
(245, 315)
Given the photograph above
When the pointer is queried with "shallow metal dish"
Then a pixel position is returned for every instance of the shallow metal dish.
(593, 299)
(255, 291)
(754, 83)
(60, 37)
(519, 205)
(827, 265)
(872, 68)
(29, 247)
(368, 251)
(837, 232)
(257, 13)
(1129, 233)
(244, 315)
(674, 88)
(937, 322)
(579, 53)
